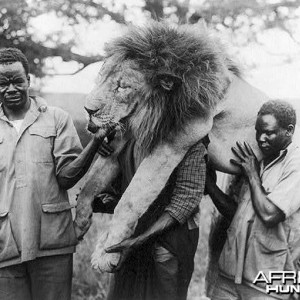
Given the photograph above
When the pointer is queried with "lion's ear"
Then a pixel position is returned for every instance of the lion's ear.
(169, 81)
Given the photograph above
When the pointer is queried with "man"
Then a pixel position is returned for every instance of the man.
(40, 158)
(264, 234)
(158, 261)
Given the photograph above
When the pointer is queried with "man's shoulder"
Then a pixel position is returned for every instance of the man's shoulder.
(293, 153)
(197, 151)
(55, 112)
(58, 112)
(194, 156)
(50, 115)
(295, 147)
(43, 107)
(197, 148)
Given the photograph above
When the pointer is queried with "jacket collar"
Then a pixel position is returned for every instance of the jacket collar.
(37, 106)
(281, 156)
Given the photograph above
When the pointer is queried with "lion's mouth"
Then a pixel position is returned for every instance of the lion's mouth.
(99, 120)
(92, 127)
(106, 124)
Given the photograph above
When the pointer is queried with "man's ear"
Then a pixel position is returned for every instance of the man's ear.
(290, 130)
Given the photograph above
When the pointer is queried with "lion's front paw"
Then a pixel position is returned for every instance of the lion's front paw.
(104, 262)
(96, 260)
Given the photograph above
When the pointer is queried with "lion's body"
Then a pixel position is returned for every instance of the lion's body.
(168, 88)
(235, 122)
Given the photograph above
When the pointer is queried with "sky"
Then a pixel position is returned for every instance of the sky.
(273, 67)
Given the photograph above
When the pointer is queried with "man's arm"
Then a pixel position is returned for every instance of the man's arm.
(187, 193)
(189, 184)
(268, 212)
(74, 171)
(70, 160)
(224, 203)
(164, 222)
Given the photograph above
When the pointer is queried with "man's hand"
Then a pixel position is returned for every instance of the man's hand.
(268, 212)
(125, 248)
(108, 131)
(105, 203)
(105, 150)
(247, 159)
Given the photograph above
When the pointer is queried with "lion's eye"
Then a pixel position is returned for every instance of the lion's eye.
(122, 88)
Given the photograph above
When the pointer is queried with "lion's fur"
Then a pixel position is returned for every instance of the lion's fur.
(202, 73)
(195, 62)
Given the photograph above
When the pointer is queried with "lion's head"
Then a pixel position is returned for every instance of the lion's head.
(157, 78)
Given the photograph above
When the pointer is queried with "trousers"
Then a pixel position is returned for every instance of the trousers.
(45, 278)
(166, 269)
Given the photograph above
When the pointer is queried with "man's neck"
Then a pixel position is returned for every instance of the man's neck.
(19, 114)
(268, 160)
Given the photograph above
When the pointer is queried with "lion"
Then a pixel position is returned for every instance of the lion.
(168, 87)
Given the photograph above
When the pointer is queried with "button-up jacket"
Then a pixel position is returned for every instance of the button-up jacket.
(35, 214)
(251, 246)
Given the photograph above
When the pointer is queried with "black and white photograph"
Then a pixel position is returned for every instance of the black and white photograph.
(149, 150)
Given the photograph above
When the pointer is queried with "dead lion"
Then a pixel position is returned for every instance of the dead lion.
(167, 87)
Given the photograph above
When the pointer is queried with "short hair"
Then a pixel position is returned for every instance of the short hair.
(282, 111)
(12, 55)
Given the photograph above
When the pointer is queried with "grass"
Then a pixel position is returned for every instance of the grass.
(88, 284)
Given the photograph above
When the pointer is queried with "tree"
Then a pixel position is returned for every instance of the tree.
(236, 16)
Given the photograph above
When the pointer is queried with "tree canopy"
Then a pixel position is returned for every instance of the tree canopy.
(243, 18)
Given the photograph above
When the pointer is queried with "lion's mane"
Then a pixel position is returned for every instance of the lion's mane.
(187, 71)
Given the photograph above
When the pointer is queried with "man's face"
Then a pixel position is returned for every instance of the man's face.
(271, 138)
(14, 86)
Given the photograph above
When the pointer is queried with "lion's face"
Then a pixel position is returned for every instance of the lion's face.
(156, 80)
(115, 94)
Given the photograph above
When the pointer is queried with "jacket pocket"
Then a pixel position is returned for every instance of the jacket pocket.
(57, 230)
(8, 246)
(271, 252)
(265, 253)
(41, 143)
